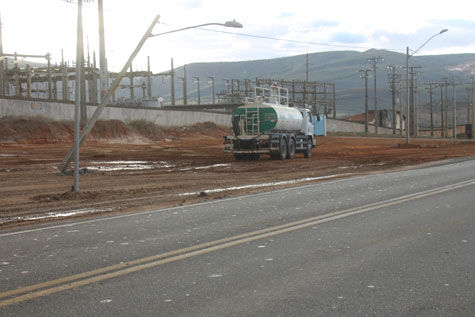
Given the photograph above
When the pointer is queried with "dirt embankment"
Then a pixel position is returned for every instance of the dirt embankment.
(140, 166)
(44, 131)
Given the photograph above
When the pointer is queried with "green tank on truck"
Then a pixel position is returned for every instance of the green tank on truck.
(269, 118)
(267, 125)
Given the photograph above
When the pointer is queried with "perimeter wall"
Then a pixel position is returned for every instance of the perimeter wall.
(60, 111)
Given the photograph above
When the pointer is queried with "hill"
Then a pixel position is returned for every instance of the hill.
(340, 67)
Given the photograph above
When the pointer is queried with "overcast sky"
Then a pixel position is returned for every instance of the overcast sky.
(41, 26)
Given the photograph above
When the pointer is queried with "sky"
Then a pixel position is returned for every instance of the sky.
(296, 27)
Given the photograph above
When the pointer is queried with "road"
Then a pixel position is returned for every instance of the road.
(397, 243)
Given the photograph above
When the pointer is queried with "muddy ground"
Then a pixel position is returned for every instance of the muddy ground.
(144, 167)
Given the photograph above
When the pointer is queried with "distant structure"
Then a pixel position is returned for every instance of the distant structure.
(384, 118)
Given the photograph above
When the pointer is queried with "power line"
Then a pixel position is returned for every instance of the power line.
(286, 40)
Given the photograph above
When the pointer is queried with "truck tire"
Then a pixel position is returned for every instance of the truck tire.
(239, 156)
(291, 149)
(283, 148)
(308, 151)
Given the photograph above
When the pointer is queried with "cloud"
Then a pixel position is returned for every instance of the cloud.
(347, 38)
(464, 24)
(324, 24)
(193, 4)
(286, 15)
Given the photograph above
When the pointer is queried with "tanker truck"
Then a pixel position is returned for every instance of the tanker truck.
(266, 124)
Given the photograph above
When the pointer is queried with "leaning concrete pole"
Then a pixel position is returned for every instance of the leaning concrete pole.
(90, 124)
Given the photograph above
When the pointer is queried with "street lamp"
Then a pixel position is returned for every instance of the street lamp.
(408, 137)
(78, 140)
(211, 81)
(197, 80)
(230, 24)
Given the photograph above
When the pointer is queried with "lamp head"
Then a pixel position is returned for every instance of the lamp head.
(233, 24)
(443, 31)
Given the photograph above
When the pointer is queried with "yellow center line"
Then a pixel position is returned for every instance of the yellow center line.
(120, 269)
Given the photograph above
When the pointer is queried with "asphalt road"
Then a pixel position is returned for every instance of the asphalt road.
(398, 243)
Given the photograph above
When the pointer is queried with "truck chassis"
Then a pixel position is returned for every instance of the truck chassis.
(277, 144)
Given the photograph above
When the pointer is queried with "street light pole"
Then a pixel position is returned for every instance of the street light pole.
(231, 24)
(90, 124)
(408, 137)
(212, 82)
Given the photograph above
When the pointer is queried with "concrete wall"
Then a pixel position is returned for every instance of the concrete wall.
(65, 111)
(336, 125)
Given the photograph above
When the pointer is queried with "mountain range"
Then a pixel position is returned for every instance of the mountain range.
(339, 67)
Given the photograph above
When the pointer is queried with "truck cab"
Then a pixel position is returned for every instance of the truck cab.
(307, 123)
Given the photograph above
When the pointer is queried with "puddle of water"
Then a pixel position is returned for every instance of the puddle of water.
(289, 182)
(51, 215)
(204, 167)
(110, 166)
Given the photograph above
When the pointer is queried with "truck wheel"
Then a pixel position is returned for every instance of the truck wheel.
(308, 151)
(291, 149)
(238, 156)
(283, 148)
(254, 157)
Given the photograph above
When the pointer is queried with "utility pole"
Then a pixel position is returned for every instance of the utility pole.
(90, 124)
(2, 61)
(149, 79)
(306, 77)
(376, 119)
(431, 109)
(473, 107)
(416, 107)
(83, 91)
(131, 86)
(184, 88)
(365, 76)
(211, 81)
(401, 116)
(393, 77)
(442, 133)
(77, 108)
(48, 58)
(325, 106)
(197, 80)
(469, 104)
(412, 115)
(446, 106)
(172, 84)
(454, 108)
(334, 100)
(185, 93)
(103, 78)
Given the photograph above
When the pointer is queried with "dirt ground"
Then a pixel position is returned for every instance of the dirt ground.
(144, 167)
